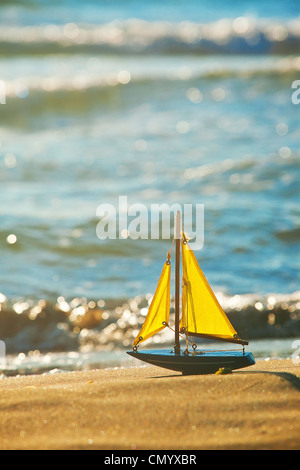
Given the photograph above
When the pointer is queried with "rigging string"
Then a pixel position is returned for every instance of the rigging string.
(172, 247)
(185, 241)
(166, 324)
(185, 284)
(185, 306)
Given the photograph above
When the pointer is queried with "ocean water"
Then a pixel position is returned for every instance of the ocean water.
(164, 102)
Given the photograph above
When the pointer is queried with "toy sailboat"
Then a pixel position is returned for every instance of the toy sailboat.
(202, 316)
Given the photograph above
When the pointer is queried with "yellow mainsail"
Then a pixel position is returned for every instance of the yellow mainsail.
(159, 311)
(202, 314)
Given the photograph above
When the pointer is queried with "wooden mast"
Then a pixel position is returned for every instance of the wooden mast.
(177, 281)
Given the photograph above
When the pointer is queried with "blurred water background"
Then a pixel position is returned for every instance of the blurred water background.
(164, 102)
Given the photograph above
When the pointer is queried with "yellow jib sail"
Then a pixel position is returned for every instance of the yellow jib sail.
(159, 311)
(202, 314)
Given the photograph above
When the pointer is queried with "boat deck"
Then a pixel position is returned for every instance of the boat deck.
(198, 362)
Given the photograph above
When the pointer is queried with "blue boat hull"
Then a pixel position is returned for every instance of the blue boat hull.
(200, 362)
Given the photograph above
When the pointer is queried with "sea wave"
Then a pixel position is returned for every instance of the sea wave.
(27, 325)
(85, 89)
(239, 36)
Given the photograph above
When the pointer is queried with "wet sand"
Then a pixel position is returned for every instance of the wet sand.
(152, 408)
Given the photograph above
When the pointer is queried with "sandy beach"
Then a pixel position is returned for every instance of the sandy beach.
(152, 408)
